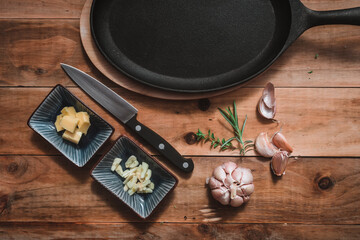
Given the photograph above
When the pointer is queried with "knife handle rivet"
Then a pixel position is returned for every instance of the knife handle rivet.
(138, 128)
(185, 165)
(161, 146)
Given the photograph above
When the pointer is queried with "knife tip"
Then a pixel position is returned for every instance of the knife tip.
(63, 65)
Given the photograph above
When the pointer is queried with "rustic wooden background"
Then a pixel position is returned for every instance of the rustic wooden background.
(42, 195)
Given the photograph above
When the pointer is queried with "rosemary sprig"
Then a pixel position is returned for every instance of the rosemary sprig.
(231, 117)
(215, 142)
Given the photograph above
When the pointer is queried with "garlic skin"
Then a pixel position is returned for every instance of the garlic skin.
(280, 142)
(269, 95)
(263, 146)
(279, 162)
(267, 102)
(231, 185)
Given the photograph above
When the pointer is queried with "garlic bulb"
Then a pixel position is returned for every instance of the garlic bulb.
(267, 102)
(231, 185)
(263, 146)
(279, 162)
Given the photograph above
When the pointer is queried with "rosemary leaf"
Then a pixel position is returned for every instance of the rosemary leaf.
(227, 141)
(249, 146)
(243, 127)
(248, 150)
(235, 114)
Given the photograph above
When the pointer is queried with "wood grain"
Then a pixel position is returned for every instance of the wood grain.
(28, 60)
(317, 122)
(313, 191)
(32, 50)
(166, 231)
(41, 9)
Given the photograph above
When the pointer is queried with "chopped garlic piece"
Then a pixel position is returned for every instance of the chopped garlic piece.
(151, 186)
(134, 164)
(125, 173)
(130, 160)
(115, 164)
(131, 192)
(119, 170)
(132, 182)
(148, 190)
(145, 167)
(127, 179)
(146, 182)
(126, 188)
(148, 174)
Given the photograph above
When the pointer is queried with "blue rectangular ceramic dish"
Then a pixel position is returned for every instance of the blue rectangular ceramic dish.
(142, 204)
(43, 119)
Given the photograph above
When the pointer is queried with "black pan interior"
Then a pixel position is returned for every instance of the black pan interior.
(190, 46)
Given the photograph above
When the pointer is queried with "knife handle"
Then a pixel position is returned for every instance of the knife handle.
(155, 140)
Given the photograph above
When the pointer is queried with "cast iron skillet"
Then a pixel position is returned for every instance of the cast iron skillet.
(201, 45)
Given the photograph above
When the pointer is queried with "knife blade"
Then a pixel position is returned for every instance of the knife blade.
(127, 114)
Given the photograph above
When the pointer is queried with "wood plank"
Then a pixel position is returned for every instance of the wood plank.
(50, 188)
(31, 51)
(317, 122)
(41, 9)
(177, 231)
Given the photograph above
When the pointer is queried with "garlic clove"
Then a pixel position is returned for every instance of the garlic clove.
(219, 173)
(265, 111)
(237, 201)
(237, 174)
(214, 183)
(279, 162)
(222, 195)
(268, 95)
(248, 189)
(263, 146)
(247, 177)
(280, 141)
(229, 167)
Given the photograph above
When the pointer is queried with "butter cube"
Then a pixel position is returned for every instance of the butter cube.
(69, 123)
(72, 137)
(69, 111)
(84, 121)
(57, 123)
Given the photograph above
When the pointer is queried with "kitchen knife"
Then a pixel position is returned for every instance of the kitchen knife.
(127, 114)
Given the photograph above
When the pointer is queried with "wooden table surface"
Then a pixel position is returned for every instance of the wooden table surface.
(43, 195)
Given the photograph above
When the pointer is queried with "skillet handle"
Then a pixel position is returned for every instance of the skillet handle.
(349, 16)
